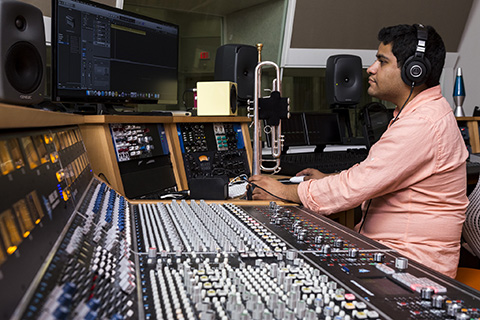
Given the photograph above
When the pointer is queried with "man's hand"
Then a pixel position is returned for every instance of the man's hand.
(311, 174)
(283, 191)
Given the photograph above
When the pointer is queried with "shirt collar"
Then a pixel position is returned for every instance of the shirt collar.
(428, 94)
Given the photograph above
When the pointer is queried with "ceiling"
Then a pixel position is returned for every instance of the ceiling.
(213, 7)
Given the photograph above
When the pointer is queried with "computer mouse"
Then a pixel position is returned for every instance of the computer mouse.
(297, 179)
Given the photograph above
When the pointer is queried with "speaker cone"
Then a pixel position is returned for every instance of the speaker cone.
(24, 67)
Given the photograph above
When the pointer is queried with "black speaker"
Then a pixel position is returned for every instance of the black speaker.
(236, 63)
(343, 80)
(417, 67)
(22, 51)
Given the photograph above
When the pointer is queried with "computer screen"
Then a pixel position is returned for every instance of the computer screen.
(323, 128)
(106, 55)
(293, 130)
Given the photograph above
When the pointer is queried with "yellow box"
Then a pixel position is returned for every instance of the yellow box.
(217, 98)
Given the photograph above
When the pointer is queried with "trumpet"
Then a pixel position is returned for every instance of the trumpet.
(272, 109)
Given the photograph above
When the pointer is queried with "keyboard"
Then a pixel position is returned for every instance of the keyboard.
(326, 162)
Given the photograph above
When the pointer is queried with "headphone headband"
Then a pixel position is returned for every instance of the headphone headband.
(422, 37)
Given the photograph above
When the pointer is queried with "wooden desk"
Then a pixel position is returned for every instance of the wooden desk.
(98, 141)
(12, 117)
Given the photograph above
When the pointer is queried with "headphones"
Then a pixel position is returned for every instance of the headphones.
(417, 67)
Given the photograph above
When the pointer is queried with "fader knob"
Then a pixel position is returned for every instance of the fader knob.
(326, 249)
(426, 293)
(267, 315)
(438, 301)
(302, 234)
(352, 253)
(378, 257)
(453, 309)
(291, 255)
(401, 263)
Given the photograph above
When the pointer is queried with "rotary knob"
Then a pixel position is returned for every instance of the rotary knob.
(338, 243)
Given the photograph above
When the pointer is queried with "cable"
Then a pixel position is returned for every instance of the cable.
(405, 103)
(176, 195)
(239, 179)
(193, 90)
(100, 175)
(365, 216)
(395, 119)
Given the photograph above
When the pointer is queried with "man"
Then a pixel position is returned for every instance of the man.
(412, 186)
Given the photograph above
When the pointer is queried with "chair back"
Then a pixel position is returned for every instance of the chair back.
(471, 226)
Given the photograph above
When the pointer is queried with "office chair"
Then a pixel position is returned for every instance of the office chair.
(471, 235)
(375, 118)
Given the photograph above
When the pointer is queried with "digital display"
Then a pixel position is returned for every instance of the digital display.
(384, 286)
(323, 128)
(293, 130)
(102, 54)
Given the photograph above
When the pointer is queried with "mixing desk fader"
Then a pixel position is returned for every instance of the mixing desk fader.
(180, 260)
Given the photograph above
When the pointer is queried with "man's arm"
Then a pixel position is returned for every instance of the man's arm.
(276, 188)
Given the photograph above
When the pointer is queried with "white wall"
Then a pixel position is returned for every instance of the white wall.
(469, 60)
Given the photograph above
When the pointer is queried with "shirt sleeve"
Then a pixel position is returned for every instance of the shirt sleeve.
(405, 154)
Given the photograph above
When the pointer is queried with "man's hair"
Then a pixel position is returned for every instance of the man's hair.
(404, 44)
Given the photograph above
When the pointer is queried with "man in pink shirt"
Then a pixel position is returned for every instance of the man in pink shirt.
(412, 186)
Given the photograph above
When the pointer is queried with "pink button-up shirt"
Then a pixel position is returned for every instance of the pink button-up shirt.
(416, 176)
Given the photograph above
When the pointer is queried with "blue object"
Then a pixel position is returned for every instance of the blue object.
(459, 88)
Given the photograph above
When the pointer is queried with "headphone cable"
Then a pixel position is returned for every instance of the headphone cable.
(396, 117)
(405, 103)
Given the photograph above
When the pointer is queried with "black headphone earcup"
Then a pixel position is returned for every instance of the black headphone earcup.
(415, 71)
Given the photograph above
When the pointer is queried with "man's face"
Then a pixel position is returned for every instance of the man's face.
(385, 76)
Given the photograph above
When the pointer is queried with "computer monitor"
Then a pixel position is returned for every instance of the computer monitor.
(104, 55)
(293, 130)
(323, 128)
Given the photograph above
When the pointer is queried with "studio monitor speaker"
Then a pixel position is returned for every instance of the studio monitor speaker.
(343, 80)
(216, 98)
(22, 52)
(236, 63)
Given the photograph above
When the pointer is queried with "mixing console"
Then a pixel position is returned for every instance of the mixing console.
(179, 260)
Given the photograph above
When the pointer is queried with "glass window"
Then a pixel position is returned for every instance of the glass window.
(306, 90)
